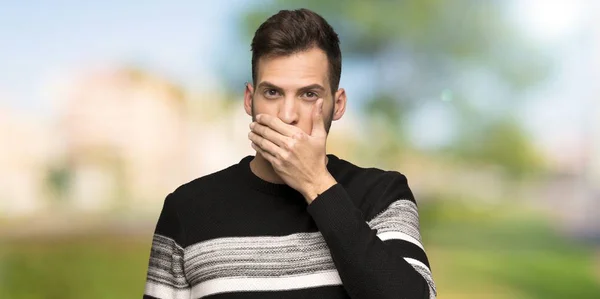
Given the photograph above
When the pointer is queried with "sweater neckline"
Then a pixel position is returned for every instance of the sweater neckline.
(259, 184)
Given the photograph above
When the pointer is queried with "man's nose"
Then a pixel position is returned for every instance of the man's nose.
(288, 111)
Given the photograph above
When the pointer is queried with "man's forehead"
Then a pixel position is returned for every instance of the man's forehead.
(295, 70)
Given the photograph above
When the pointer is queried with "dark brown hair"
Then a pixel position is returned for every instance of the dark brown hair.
(289, 32)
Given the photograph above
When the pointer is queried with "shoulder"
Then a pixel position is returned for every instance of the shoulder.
(375, 189)
(204, 187)
(352, 173)
(373, 180)
(390, 193)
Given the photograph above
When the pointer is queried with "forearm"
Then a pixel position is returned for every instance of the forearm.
(368, 267)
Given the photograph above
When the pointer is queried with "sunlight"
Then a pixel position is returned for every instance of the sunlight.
(550, 20)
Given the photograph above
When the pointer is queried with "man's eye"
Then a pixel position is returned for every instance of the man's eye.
(271, 93)
(311, 95)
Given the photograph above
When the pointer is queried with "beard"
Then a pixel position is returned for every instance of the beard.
(327, 121)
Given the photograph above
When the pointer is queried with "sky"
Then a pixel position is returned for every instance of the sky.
(44, 39)
(41, 41)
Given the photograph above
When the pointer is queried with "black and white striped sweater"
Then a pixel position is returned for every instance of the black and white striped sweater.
(231, 235)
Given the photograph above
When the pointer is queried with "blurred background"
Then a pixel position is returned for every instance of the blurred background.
(490, 108)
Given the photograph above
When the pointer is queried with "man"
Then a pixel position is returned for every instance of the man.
(292, 221)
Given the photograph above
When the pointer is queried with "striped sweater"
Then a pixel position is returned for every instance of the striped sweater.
(231, 234)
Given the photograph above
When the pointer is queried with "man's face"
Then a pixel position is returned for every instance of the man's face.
(288, 87)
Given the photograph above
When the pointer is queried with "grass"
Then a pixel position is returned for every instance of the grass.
(505, 255)
(81, 267)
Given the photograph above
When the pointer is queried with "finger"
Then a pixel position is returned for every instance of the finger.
(265, 154)
(270, 134)
(265, 144)
(277, 125)
(318, 128)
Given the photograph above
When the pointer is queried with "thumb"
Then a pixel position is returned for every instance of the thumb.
(318, 128)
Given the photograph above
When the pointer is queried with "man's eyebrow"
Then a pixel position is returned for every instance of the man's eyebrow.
(313, 87)
(268, 85)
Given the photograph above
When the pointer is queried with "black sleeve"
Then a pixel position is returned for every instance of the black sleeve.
(381, 258)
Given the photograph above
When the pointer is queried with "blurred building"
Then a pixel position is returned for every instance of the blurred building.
(25, 147)
(125, 139)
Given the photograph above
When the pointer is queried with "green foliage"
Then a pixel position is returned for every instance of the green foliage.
(58, 179)
(502, 143)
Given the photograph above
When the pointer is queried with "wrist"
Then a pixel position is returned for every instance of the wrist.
(320, 185)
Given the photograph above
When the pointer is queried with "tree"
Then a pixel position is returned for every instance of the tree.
(431, 50)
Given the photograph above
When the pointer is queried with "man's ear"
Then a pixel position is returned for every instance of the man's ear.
(248, 93)
(339, 100)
